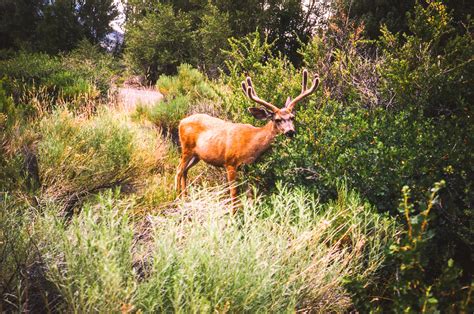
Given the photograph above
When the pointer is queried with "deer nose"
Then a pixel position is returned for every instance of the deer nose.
(290, 133)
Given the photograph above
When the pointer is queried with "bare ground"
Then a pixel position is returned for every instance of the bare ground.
(129, 97)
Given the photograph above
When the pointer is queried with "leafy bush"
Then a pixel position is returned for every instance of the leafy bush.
(188, 82)
(411, 287)
(402, 118)
(415, 284)
(167, 114)
(84, 72)
(342, 132)
(26, 70)
(183, 94)
(90, 63)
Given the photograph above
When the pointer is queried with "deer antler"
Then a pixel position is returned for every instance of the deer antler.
(249, 91)
(304, 90)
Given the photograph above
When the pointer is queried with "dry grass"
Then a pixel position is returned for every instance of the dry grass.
(79, 155)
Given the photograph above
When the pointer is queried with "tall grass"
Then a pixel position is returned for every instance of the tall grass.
(77, 155)
(284, 253)
(15, 249)
(89, 261)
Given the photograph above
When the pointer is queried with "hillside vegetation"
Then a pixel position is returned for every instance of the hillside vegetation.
(367, 209)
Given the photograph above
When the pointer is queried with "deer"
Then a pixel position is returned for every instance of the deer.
(226, 144)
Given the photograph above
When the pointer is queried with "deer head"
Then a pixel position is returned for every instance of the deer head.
(282, 118)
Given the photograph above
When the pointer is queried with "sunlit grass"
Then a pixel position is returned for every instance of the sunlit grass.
(285, 252)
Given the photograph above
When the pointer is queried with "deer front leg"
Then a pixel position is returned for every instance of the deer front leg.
(231, 178)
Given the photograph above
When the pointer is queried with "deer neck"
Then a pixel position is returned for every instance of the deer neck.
(265, 136)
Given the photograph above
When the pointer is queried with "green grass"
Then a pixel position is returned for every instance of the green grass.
(279, 254)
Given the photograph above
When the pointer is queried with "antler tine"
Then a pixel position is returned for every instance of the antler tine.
(249, 81)
(305, 81)
(244, 88)
(247, 86)
(305, 92)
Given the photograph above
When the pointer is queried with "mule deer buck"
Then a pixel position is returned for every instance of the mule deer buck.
(229, 145)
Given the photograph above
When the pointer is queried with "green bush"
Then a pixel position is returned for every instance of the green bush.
(188, 82)
(341, 132)
(91, 65)
(89, 260)
(16, 250)
(167, 114)
(411, 287)
(283, 253)
(183, 93)
(84, 71)
(403, 118)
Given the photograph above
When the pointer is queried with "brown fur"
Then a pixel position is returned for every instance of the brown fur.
(230, 145)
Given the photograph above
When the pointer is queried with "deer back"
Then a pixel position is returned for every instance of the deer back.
(220, 143)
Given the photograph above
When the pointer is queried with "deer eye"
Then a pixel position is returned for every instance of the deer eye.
(278, 120)
(292, 118)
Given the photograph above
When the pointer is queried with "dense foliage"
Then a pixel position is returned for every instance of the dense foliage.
(394, 14)
(53, 26)
(404, 117)
(79, 78)
(162, 34)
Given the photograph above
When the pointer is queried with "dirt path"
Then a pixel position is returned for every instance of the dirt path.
(129, 97)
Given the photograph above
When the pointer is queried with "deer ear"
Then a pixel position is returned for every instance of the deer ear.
(288, 100)
(260, 113)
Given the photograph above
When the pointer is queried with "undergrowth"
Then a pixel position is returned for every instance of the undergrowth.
(281, 253)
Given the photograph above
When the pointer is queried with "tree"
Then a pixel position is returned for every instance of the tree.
(58, 29)
(95, 17)
(53, 26)
(287, 23)
(212, 37)
(374, 13)
(159, 42)
(18, 21)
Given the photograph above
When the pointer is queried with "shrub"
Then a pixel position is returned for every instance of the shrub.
(188, 81)
(401, 120)
(78, 156)
(167, 114)
(411, 287)
(183, 93)
(84, 72)
(283, 253)
(89, 260)
(28, 70)
(16, 250)
(92, 65)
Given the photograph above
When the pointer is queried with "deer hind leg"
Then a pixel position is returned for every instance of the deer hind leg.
(191, 162)
(179, 171)
(231, 178)
(187, 161)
